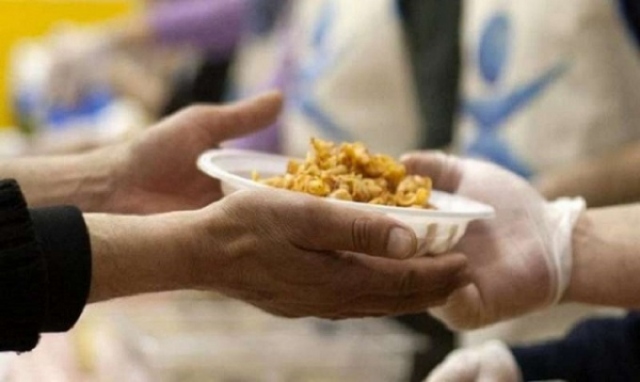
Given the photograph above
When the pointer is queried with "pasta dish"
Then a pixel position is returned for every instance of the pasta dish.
(348, 171)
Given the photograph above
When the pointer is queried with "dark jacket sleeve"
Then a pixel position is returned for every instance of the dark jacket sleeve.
(603, 349)
(45, 269)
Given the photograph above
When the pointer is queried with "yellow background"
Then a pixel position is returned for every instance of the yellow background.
(31, 18)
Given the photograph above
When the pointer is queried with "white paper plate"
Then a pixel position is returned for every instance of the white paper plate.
(437, 229)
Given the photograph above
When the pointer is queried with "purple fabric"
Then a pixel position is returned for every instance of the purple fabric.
(268, 140)
(215, 26)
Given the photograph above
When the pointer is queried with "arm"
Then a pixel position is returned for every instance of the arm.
(259, 247)
(84, 180)
(262, 247)
(604, 180)
(606, 257)
(155, 172)
(595, 350)
(45, 266)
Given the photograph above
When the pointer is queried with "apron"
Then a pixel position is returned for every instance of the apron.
(547, 83)
(345, 78)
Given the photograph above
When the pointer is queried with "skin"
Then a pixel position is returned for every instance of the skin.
(157, 224)
(603, 180)
(607, 257)
(154, 172)
(274, 260)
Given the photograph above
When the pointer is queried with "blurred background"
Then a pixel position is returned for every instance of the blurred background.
(549, 90)
(30, 113)
(77, 74)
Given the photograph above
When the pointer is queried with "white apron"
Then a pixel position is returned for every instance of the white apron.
(348, 75)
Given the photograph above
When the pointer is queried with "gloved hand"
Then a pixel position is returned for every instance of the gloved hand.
(491, 362)
(521, 260)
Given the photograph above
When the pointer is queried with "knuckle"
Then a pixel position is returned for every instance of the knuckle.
(361, 233)
(303, 216)
(408, 281)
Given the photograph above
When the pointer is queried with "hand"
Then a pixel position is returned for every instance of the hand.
(491, 362)
(521, 260)
(157, 172)
(278, 250)
(281, 254)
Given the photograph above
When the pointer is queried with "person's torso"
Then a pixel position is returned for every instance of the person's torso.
(546, 83)
(345, 73)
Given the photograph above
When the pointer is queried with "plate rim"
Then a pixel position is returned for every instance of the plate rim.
(485, 211)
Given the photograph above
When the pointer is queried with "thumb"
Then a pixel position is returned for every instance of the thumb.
(333, 227)
(221, 123)
(445, 171)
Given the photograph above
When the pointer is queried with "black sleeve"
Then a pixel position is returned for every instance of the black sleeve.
(602, 349)
(45, 269)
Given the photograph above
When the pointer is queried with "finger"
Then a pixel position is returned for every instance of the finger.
(352, 277)
(370, 305)
(322, 226)
(220, 123)
(445, 170)
(419, 275)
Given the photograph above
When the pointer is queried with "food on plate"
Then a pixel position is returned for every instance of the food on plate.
(348, 171)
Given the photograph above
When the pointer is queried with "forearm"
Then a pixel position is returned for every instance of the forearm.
(84, 180)
(140, 254)
(45, 262)
(594, 350)
(606, 257)
(604, 180)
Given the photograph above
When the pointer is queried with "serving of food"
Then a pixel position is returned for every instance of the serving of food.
(350, 175)
(348, 171)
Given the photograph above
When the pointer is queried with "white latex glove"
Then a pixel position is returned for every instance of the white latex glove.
(521, 260)
(491, 362)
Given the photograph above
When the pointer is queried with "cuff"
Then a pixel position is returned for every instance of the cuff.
(64, 242)
(23, 277)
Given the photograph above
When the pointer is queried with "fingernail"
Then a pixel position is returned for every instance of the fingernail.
(401, 243)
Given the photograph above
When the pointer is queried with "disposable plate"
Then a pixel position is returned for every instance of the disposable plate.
(438, 230)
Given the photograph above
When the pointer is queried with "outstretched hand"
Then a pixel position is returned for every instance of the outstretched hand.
(156, 172)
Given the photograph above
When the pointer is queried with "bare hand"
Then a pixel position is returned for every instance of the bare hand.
(156, 172)
(295, 255)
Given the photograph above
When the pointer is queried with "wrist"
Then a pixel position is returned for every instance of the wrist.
(606, 247)
(97, 180)
(212, 234)
(141, 254)
(105, 188)
(83, 180)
